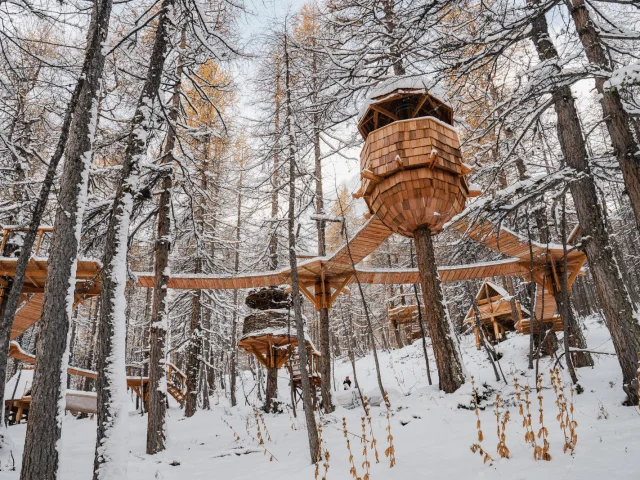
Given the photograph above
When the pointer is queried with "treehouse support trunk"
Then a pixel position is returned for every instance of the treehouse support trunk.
(271, 392)
(445, 344)
(325, 361)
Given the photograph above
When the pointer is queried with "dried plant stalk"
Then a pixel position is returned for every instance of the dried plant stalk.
(475, 402)
(317, 462)
(501, 427)
(374, 442)
(565, 419)
(477, 448)
(366, 464)
(353, 471)
(541, 452)
(390, 451)
(259, 431)
(264, 425)
(235, 434)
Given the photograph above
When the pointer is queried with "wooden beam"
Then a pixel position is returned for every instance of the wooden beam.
(385, 112)
(369, 175)
(338, 289)
(419, 106)
(310, 296)
(259, 356)
(575, 273)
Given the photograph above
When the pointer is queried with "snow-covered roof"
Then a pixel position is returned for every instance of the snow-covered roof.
(24, 384)
(386, 88)
(501, 291)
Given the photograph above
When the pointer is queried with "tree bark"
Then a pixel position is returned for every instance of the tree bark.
(307, 393)
(445, 345)
(325, 336)
(612, 292)
(111, 443)
(194, 350)
(157, 402)
(12, 298)
(40, 457)
(236, 269)
(271, 390)
(617, 119)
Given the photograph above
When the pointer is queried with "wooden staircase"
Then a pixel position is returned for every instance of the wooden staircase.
(176, 383)
(313, 368)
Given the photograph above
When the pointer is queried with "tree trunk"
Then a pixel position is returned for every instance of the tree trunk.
(307, 393)
(40, 457)
(12, 297)
(236, 269)
(194, 350)
(445, 345)
(325, 337)
(618, 122)
(325, 361)
(111, 443)
(271, 391)
(612, 292)
(157, 402)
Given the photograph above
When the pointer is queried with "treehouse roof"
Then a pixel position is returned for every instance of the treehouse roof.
(402, 99)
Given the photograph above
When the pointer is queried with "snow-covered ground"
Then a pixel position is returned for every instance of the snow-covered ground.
(431, 434)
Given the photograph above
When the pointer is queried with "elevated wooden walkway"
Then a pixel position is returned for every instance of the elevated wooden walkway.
(176, 381)
(30, 308)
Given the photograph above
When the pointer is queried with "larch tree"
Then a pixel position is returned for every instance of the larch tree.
(307, 391)
(41, 454)
(111, 445)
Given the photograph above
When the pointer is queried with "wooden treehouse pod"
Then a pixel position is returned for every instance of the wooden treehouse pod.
(270, 334)
(411, 166)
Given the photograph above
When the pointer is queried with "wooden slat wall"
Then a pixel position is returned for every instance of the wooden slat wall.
(213, 282)
(509, 243)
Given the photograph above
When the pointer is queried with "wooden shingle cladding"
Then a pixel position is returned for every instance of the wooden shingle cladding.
(413, 175)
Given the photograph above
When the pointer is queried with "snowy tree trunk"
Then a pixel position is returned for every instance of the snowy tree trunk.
(194, 350)
(325, 339)
(445, 345)
(11, 299)
(234, 322)
(307, 391)
(157, 402)
(620, 313)
(626, 146)
(271, 391)
(41, 451)
(111, 453)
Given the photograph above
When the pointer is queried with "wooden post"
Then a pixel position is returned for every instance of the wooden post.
(496, 329)
(476, 332)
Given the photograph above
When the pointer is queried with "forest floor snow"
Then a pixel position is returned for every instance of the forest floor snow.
(431, 433)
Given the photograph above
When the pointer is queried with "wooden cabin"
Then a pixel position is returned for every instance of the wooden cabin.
(495, 312)
(404, 321)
